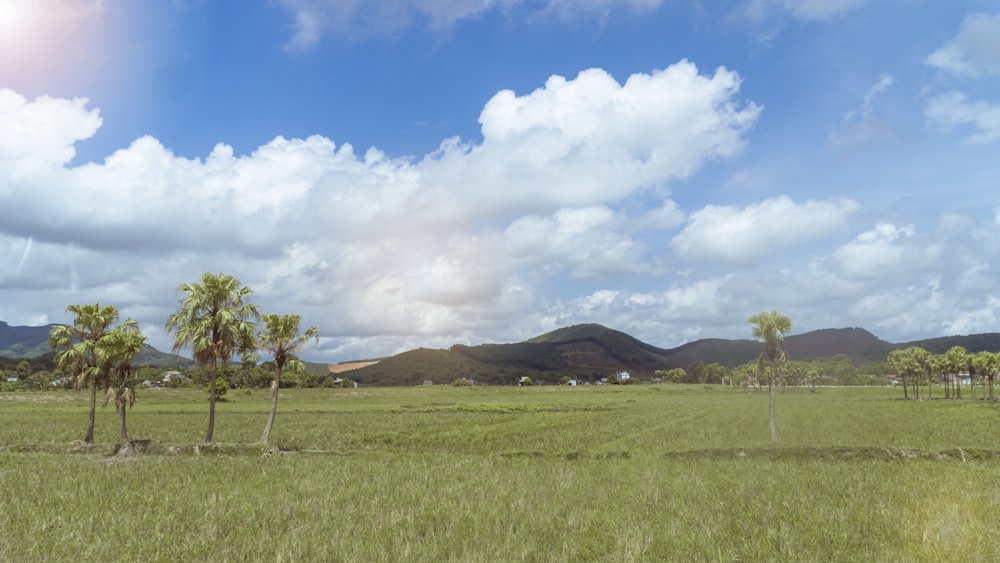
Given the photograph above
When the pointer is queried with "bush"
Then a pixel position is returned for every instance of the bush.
(221, 386)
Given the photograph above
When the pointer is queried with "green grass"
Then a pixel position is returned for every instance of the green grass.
(643, 473)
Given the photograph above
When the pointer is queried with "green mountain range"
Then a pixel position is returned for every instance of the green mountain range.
(31, 342)
(592, 351)
(588, 351)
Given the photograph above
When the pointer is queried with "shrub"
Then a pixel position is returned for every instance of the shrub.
(221, 386)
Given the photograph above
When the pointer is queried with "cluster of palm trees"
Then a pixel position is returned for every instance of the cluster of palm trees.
(215, 320)
(916, 367)
(100, 354)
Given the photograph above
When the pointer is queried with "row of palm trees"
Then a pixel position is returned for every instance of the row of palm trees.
(916, 367)
(215, 320)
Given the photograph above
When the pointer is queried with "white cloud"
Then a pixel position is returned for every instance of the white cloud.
(879, 252)
(362, 244)
(40, 134)
(743, 236)
(590, 241)
(809, 10)
(984, 318)
(314, 18)
(975, 51)
(592, 140)
(953, 109)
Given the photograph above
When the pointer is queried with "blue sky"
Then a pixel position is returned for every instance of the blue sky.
(419, 173)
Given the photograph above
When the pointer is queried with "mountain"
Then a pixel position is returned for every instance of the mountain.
(587, 351)
(590, 351)
(30, 342)
(24, 341)
(859, 345)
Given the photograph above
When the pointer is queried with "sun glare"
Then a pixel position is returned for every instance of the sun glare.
(46, 40)
(19, 20)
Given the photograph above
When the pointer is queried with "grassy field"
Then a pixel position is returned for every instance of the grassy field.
(637, 473)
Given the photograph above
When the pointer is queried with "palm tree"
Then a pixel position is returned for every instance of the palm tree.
(956, 359)
(280, 336)
(78, 345)
(897, 360)
(216, 320)
(115, 352)
(924, 365)
(987, 364)
(771, 327)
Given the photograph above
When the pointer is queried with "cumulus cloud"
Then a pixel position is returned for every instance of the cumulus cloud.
(975, 51)
(742, 236)
(314, 18)
(590, 241)
(40, 134)
(591, 140)
(410, 250)
(879, 252)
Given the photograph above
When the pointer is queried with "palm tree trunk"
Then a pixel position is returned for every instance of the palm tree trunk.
(774, 433)
(93, 411)
(906, 395)
(125, 444)
(274, 408)
(211, 402)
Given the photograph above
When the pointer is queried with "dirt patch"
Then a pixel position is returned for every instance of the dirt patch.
(349, 366)
(39, 398)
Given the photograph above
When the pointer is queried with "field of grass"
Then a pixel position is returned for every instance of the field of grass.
(439, 473)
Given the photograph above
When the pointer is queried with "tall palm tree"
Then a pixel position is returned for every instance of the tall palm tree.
(771, 327)
(77, 344)
(116, 352)
(956, 360)
(924, 366)
(216, 320)
(987, 364)
(280, 337)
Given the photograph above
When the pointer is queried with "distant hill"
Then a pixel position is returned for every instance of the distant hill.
(861, 346)
(32, 342)
(24, 341)
(590, 351)
(154, 358)
(587, 351)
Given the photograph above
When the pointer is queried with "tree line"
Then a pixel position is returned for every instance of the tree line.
(215, 320)
(916, 368)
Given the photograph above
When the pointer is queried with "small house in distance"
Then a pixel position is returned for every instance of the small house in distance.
(172, 376)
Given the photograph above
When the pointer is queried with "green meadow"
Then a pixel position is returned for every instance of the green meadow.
(441, 473)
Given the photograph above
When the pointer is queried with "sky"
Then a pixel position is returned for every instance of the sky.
(420, 173)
